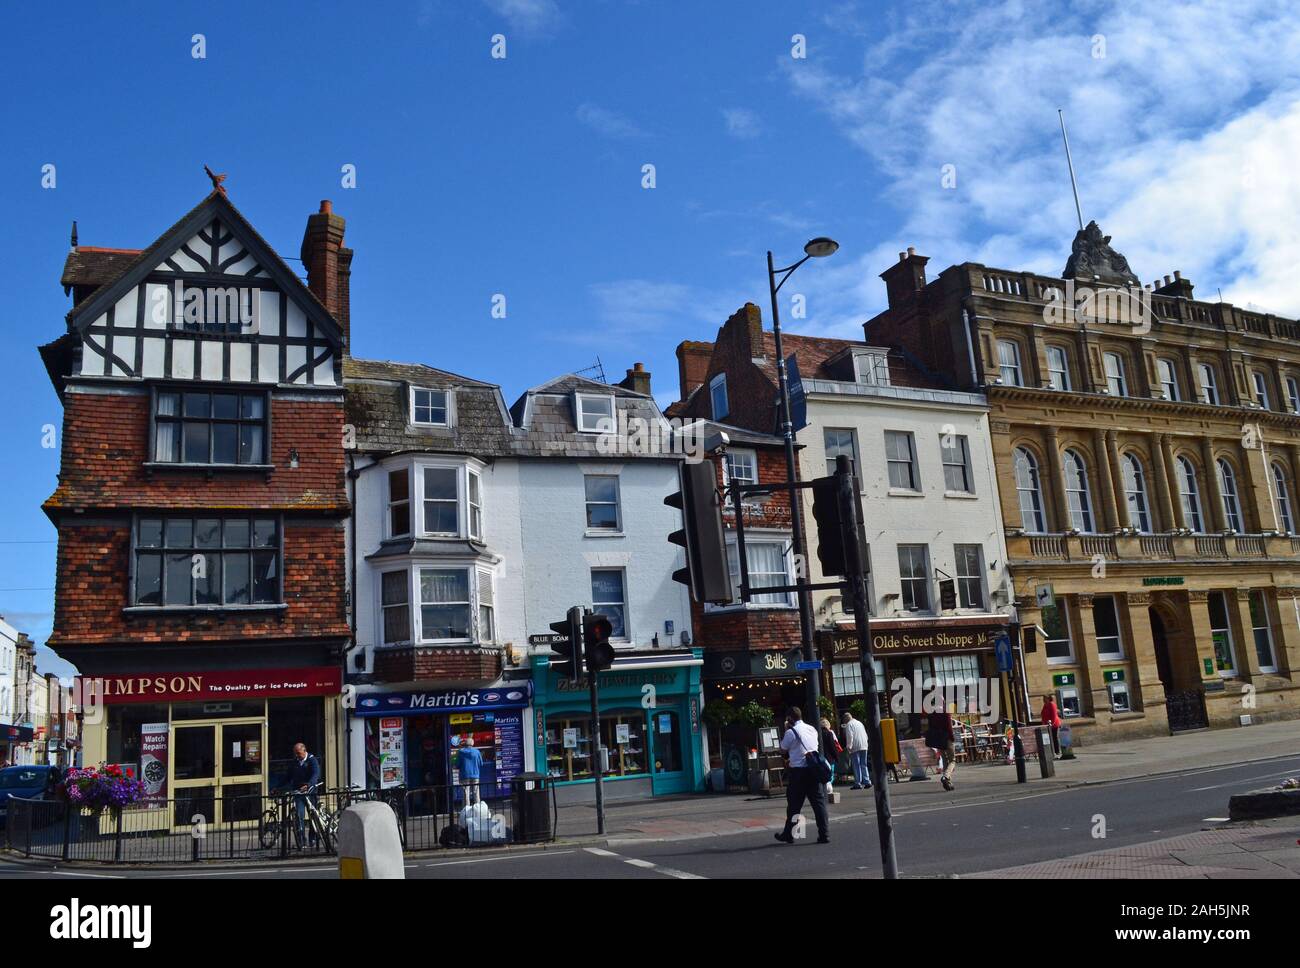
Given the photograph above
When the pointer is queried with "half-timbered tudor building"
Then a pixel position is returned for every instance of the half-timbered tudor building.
(201, 505)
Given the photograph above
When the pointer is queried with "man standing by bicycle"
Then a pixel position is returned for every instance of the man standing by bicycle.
(303, 778)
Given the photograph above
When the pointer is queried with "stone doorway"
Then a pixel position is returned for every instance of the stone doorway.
(1175, 648)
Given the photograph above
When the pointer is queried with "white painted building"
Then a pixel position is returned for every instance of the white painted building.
(939, 585)
(476, 527)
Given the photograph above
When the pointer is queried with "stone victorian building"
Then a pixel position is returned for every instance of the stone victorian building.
(1147, 445)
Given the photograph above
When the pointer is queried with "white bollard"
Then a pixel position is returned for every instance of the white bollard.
(368, 843)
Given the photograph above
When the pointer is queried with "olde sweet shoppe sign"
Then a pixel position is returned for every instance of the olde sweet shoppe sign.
(924, 640)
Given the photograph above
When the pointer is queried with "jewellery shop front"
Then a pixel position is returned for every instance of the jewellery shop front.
(212, 741)
(911, 657)
(650, 727)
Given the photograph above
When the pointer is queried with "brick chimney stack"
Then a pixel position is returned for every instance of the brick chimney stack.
(905, 278)
(692, 364)
(637, 379)
(329, 265)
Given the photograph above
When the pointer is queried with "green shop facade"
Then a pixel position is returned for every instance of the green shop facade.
(650, 727)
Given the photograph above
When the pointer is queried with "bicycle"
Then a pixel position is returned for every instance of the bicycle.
(323, 825)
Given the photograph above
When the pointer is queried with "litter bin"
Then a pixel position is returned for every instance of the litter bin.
(533, 800)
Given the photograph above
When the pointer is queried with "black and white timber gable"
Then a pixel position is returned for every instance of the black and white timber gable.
(209, 301)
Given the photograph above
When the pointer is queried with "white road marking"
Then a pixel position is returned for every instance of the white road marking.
(115, 877)
(1251, 779)
(488, 860)
(1215, 820)
(646, 865)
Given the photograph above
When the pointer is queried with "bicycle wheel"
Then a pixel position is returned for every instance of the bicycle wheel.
(268, 828)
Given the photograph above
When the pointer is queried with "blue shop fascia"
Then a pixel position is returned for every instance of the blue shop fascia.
(650, 705)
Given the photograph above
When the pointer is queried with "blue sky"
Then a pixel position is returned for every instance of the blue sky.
(523, 175)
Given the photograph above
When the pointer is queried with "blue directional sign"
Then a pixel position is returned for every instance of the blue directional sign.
(808, 666)
(1002, 648)
(798, 399)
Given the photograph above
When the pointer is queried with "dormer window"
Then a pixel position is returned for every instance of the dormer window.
(430, 408)
(595, 413)
(871, 369)
(718, 396)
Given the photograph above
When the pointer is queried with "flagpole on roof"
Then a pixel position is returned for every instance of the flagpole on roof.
(1070, 163)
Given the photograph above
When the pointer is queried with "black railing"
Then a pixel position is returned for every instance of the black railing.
(195, 828)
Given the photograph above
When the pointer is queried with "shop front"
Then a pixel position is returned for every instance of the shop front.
(15, 743)
(912, 659)
(651, 734)
(411, 739)
(213, 743)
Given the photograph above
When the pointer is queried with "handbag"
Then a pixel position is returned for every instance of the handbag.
(821, 770)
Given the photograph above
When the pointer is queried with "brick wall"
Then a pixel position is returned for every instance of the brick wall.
(93, 578)
(106, 443)
(437, 663)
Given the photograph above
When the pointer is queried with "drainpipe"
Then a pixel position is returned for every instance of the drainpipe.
(967, 318)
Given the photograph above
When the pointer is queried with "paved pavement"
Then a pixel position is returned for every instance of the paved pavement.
(1265, 849)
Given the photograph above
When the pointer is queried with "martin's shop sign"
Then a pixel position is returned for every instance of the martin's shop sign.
(920, 641)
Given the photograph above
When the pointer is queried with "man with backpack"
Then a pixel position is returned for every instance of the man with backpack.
(808, 774)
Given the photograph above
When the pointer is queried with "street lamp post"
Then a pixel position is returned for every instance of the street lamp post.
(817, 248)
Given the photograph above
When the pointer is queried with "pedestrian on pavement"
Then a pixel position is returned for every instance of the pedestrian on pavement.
(1051, 717)
(939, 737)
(470, 764)
(798, 742)
(855, 741)
(831, 744)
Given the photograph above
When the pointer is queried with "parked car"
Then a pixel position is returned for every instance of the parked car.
(28, 783)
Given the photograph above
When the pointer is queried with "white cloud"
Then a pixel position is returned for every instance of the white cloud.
(611, 124)
(526, 16)
(1184, 136)
(642, 306)
(741, 122)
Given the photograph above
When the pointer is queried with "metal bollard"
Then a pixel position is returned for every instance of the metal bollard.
(1046, 761)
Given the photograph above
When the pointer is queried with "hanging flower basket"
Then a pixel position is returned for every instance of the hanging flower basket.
(106, 787)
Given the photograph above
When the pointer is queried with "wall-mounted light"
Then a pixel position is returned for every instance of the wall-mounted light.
(293, 457)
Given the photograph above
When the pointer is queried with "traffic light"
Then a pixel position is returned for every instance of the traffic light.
(570, 649)
(706, 572)
(831, 529)
(596, 630)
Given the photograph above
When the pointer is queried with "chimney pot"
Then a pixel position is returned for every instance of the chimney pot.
(1178, 273)
(1168, 280)
(638, 367)
(902, 257)
(326, 207)
(911, 251)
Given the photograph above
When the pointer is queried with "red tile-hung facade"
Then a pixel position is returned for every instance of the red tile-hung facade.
(749, 651)
(201, 501)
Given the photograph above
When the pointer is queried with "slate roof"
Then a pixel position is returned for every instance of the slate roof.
(547, 423)
(378, 407)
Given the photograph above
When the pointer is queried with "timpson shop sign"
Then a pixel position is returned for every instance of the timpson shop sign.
(225, 684)
(917, 642)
